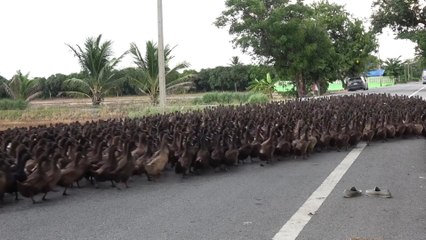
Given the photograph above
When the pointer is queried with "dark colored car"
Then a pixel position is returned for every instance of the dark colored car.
(357, 83)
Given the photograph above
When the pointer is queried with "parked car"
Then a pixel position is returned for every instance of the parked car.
(357, 83)
(424, 76)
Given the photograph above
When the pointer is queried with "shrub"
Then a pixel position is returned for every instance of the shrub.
(9, 104)
(258, 98)
(223, 98)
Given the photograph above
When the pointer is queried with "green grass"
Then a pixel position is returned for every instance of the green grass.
(10, 104)
(224, 98)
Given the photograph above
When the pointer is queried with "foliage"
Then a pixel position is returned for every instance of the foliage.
(405, 17)
(10, 104)
(22, 87)
(394, 67)
(53, 85)
(3, 93)
(230, 78)
(301, 41)
(224, 98)
(145, 77)
(352, 44)
(265, 85)
(97, 66)
(258, 98)
(235, 60)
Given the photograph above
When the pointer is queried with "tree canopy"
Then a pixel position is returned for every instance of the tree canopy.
(407, 18)
(306, 43)
(98, 68)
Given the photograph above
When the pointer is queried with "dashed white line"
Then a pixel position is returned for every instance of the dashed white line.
(414, 93)
(298, 221)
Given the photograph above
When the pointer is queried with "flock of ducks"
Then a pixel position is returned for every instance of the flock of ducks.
(36, 160)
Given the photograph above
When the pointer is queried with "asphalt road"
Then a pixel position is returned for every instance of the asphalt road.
(248, 202)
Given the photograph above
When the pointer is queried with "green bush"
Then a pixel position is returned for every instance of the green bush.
(258, 98)
(9, 104)
(223, 98)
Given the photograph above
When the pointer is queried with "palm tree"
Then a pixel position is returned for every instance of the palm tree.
(97, 66)
(145, 78)
(394, 67)
(22, 87)
(266, 86)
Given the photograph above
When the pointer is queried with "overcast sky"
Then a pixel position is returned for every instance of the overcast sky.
(34, 33)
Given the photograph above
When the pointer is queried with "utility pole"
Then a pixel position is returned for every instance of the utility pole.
(161, 64)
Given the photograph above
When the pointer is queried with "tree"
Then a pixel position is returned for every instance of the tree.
(281, 33)
(235, 60)
(22, 87)
(98, 66)
(405, 17)
(3, 93)
(352, 44)
(53, 85)
(394, 67)
(266, 85)
(145, 77)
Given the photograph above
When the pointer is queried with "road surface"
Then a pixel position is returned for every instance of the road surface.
(248, 202)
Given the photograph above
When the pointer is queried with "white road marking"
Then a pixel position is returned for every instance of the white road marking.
(298, 221)
(417, 91)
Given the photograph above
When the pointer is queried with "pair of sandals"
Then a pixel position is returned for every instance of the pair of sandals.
(375, 192)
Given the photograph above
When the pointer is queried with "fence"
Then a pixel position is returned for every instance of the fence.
(373, 82)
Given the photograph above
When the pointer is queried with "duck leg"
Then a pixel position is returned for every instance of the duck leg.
(65, 192)
(112, 183)
(44, 197)
(16, 196)
(32, 198)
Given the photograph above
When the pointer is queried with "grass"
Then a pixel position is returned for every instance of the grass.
(10, 104)
(230, 98)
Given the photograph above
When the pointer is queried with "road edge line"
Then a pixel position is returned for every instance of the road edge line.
(417, 91)
(294, 226)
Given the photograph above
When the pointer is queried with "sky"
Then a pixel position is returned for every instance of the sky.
(34, 34)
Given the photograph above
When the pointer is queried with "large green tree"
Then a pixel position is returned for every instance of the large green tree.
(98, 68)
(145, 77)
(22, 87)
(352, 43)
(279, 32)
(405, 17)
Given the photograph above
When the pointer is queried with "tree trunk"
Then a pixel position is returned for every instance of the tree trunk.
(300, 85)
(96, 99)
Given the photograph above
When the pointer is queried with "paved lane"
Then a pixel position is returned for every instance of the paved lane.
(248, 202)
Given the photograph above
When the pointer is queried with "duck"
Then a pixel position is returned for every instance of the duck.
(202, 158)
(125, 166)
(245, 149)
(390, 128)
(342, 141)
(53, 175)
(103, 172)
(368, 131)
(184, 162)
(141, 148)
(72, 173)
(312, 142)
(267, 147)
(217, 154)
(231, 154)
(283, 147)
(35, 182)
(300, 144)
(158, 161)
(355, 133)
(2, 186)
